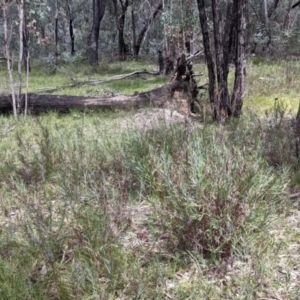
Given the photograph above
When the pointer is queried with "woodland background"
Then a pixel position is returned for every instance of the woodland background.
(158, 201)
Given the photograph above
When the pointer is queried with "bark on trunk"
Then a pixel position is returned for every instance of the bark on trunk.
(43, 103)
(26, 59)
(8, 60)
(229, 37)
(71, 18)
(240, 65)
(120, 20)
(133, 34)
(98, 13)
(267, 23)
(21, 30)
(207, 50)
(222, 95)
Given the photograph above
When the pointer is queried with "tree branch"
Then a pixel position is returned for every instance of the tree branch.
(296, 4)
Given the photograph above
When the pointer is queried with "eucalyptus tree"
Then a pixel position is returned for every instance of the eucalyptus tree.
(120, 9)
(229, 27)
(16, 95)
(273, 27)
(153, 11)
(5, 7)
(93, 39)
(134, 18)
(71, 26)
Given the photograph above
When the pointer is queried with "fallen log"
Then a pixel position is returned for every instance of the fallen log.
(180, 94)
(42, 103)
(78, 83)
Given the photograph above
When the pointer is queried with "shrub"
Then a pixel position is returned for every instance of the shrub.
(206, 190)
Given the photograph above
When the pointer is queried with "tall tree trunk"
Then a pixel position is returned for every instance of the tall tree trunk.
(122, 44)
(26, 60)
(98, 13)
(228, 36)
(222, 95)
(267, 23)
(286, 22)
(207, 50)
(8, 59)
(71, 18)
(120, 20)
(147, 25)
(133, 34)
(240, 64)
(21, 31)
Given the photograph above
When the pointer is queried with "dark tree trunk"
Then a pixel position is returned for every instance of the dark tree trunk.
(161, 62)
(26, 45)
(229, 39)
(133, 33)
(188, 46)
(120, 19)
(26, 59)
(222, 95)
(98, 13)
(229, 36)
(122, 44)
(147, 25)
(240, 64)
(71, 18)
(207, 50)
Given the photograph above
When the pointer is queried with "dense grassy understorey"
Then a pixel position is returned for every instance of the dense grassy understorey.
(134, 205)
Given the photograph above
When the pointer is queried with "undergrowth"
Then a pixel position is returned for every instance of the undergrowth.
(94, 209)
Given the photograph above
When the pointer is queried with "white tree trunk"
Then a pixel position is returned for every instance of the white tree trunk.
(21, 27)
(8, 59)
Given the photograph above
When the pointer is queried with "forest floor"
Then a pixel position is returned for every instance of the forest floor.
(147, 204)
